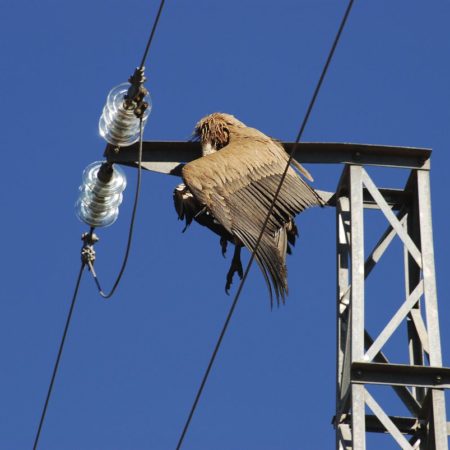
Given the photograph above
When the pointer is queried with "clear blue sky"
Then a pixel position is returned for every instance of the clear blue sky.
(132, 364)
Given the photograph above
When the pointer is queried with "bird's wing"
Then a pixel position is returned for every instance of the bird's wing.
(185, 204)
(237, 185)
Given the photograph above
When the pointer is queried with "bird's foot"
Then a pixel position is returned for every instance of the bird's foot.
(236, 266)
(223, 245)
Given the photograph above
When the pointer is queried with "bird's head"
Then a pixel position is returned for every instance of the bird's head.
(214, 130)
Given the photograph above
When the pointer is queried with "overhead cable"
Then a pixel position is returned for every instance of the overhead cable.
(58, 357)
(152, 33)
(252, 258)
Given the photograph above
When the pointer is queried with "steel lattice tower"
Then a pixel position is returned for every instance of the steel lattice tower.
(361, 362)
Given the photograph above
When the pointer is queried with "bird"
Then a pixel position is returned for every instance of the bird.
(229, 190)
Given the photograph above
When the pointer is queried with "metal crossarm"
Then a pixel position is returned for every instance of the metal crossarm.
(167, 157)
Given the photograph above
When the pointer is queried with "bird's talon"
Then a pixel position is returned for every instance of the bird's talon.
(235, 267)
(223, 245)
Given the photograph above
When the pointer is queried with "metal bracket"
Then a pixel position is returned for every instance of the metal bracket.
(400, 375)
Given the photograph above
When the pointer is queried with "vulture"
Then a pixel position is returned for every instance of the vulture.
(230, 188)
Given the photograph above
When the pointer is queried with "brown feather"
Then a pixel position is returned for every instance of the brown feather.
(237, 184)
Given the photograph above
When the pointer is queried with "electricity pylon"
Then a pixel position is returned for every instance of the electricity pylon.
(361, 362)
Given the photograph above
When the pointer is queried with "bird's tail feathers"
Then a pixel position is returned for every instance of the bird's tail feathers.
(302, 170)
(271, 259)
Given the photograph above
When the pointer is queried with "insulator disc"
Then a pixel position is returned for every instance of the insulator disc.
(98, 202)
(117, 125)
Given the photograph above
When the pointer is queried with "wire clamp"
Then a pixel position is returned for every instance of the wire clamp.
(87, 251)
(134, 99)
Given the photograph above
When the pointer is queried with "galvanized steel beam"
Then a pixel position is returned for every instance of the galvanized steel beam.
(400, 375)
(360, 361)
(168, 157)
(356, 331)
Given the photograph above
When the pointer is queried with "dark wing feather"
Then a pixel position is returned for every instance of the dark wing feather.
(186, 206)
(237, 185)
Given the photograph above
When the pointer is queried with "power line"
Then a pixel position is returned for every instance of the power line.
(150, 39)
(58, 357)
(87, 261)
(252, 258)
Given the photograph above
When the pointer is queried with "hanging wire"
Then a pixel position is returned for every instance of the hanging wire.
(131, 229)
(150, 39)
(252, 258)
(58, 357)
